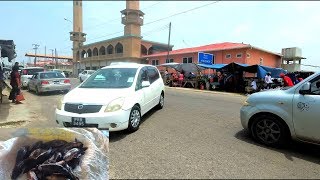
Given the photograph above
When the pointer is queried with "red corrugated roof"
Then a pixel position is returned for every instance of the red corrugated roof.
(205, 48)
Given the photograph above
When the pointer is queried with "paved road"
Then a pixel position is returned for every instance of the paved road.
(196, 135)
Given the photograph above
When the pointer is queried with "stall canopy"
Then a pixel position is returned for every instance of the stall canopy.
(185, 67)
(262, 71)
(213, 66)
(230, 67)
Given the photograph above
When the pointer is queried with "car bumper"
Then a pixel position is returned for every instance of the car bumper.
(246, 112)
(113, 121)
(49, 88)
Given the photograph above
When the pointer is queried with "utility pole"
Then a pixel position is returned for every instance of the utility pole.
(52, 54)
(169, 41)
(56, 54)
(45, 52)
(36, 46)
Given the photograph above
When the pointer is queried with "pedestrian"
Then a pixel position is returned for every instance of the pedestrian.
(15, 83)
(2, 78)
(268, 80)
(286, 80)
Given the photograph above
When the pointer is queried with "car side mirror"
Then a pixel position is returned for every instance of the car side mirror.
(305, 89)
(145, 84)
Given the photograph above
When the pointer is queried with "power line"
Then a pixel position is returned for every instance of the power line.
(181, 13)
(116, 19)
(192, 9)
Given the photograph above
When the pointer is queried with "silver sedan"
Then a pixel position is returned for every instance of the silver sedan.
(48, 82)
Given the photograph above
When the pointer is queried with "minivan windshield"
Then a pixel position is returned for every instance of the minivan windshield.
(111, 78)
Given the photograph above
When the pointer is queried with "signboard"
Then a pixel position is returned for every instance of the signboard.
(205, 58)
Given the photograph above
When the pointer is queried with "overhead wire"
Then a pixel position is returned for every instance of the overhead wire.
(186, 11)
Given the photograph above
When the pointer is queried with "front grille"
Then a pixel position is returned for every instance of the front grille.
(74, 108)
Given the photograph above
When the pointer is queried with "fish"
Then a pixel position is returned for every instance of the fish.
(30, 163)
(71, 154)
(22, 154)
(49, 169)
(32, 175)
(54, 158)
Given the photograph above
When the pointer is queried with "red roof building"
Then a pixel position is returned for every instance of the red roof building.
(223, 53)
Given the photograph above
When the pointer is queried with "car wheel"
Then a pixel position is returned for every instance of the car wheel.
(161, 102)
(269, 130)
(134, 119)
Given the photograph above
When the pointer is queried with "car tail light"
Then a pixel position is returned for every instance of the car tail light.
(44, 82)
(67, 81)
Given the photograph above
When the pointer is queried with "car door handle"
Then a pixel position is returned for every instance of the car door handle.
(280, 102)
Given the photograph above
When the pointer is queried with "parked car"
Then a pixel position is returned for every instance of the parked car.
(58, 70)
(275, 116)
(115, 98)
(85, 74)
(49, 81)
(27, 73)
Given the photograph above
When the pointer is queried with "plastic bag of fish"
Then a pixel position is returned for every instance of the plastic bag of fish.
(55, 153)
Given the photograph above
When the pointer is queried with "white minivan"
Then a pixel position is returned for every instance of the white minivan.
(114, 98)
(275, 116)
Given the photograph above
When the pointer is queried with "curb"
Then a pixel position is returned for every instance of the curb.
(205, 91)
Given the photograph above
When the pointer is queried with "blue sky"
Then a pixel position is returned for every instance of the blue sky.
(270, 25)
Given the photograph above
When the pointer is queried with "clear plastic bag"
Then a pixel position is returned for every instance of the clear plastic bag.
(94, 163)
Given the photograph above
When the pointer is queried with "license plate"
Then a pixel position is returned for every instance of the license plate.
(78, 122)
(56, 82)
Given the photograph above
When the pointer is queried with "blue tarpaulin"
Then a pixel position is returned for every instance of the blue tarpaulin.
(275, 72)
(262, 71)
(213, 66)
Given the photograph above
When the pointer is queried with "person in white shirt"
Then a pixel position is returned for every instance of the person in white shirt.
(254, 85)
(268, 80)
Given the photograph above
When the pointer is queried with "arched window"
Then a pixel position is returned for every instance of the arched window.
(83, 54)
(144, 50)
(102, 50)
(119, 48)
(110, 49)
(95, 52)
(150, 51)
(89, 53)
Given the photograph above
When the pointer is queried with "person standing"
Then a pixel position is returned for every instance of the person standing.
(268, 80)
(15, 83)
(2, 78)
(286, 80)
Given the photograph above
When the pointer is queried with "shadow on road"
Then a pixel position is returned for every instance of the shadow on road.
(117, 136)
(47, 93)
(305, 151)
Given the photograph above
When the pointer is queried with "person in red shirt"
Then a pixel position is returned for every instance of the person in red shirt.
(287, 81)
(15, 83)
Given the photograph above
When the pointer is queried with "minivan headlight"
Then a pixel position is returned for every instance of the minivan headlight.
(115, 105)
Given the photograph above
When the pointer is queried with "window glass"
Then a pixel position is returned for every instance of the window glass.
(155, 62)
(31, 71)
(152, 74)
(51, 75)
(315, 86)
(187, 60)
(143, 76)
(239, 55)
(111, 78)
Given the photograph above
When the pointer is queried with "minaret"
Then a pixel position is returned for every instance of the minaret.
(132, 18)
(77, 36)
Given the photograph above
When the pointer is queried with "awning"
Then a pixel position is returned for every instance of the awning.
(213, 66)
(262, 71)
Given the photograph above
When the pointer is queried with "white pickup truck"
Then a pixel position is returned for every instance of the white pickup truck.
(275, 116)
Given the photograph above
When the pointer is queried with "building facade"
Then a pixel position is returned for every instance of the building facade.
(223, 53)
(127, 48)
